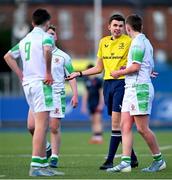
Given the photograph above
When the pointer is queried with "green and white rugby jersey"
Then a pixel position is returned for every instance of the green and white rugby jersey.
(30, 49)
(140, 52)
(61, 67)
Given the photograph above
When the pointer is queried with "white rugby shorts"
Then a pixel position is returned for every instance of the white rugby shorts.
(138, 99)
(59, 98)
(39, 96)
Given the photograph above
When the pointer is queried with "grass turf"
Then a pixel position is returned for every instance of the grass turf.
(78, 159)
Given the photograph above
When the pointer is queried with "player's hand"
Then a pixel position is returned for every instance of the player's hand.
(74, 101)
(48, 79)
(154, 74)
(20, 76)
(72, 76)
(115, 74)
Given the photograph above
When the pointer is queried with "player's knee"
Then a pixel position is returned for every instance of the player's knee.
(54, 130)
(115, 125)
(31, 129)
(141, 131)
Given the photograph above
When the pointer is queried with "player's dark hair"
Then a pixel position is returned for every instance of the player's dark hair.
(90, 66)
(40, 16)
(135, 21)
(117, 17)
(52, 27)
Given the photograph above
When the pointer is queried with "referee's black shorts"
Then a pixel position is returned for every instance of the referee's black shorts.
(113, 91)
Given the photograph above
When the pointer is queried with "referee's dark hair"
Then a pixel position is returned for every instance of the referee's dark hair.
(90, 66)
(117, 17)
(40, 16)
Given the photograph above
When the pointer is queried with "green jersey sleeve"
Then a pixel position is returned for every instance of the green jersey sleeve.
(48, 41)
(137, 54)
(68, 66)
(14, 51)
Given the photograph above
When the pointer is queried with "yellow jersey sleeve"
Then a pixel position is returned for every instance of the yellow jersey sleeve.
(113, 53)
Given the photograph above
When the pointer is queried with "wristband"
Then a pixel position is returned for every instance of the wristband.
(80, 73)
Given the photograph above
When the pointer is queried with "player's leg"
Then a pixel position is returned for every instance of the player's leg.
(31, 128)
(97, 128)
(42, 103)
(30, 122)
(142, 124)
(144, 102)
(41, 124)
(127, 143)
(127, 135)
(39, 163)
(55, 130)
(55, 134)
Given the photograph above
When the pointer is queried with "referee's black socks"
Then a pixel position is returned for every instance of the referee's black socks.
(114, 143)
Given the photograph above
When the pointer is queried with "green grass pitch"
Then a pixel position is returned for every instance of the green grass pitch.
(78, 159)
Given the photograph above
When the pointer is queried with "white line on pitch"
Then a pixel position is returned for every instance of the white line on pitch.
(85, 155)
(166, 147)
(2, 175)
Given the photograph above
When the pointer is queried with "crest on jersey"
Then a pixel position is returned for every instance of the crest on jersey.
(57, 60)
(121, 45)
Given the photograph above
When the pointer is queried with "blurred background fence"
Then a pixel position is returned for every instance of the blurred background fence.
(80, 25)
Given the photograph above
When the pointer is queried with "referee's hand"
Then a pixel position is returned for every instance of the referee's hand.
(72, 76)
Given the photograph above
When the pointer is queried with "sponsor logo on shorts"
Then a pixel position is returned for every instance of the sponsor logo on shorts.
(133, 108)
(56, 111)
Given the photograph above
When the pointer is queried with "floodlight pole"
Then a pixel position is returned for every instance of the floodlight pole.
(97, 24)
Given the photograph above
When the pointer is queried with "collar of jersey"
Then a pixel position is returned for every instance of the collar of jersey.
(55, 49)
(38, 29)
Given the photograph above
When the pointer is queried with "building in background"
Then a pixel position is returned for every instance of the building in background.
(75, 21)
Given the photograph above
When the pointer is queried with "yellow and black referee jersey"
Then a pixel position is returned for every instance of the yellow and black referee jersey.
(114, 53)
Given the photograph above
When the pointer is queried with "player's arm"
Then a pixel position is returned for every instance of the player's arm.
(137, 58)
(98, 68)
(84, 101)
(10, 58)
(47, 50)
(135, 67)
(101, 99)
(73, 85)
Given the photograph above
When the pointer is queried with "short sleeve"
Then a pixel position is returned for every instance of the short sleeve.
(137, 54)
(15, 52)
(48, 41)
(68, 65)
